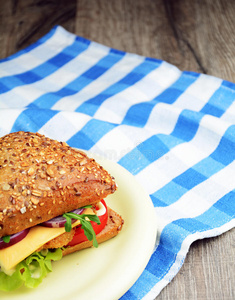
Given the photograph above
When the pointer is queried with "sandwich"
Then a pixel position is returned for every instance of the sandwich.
(51, 205)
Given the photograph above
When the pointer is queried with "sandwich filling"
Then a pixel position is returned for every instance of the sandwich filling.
(29, 260)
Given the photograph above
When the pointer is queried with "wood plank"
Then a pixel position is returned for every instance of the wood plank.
(193, 35)
(24, 22)
(207, 273)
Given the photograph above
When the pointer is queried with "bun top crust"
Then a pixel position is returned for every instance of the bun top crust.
(41, 178)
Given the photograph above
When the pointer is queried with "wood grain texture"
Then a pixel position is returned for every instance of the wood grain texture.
(193, 35)
(24, 22)
(207, 273)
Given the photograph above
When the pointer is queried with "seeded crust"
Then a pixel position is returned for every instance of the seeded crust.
(113, 227)
(41, 178)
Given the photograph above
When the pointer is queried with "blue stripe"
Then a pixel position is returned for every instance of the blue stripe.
(155, 61)
(47, 68)
(92, 105)
(219, 102)
(141, 287)
(90, 134)
(187, 125)
(139, 113)
(225, 153)
(191, 74)
(175, 233)
(175, 189)
(49, 99)
(229, 85)
(168, 194)
(32, 119)
(189, 179)
(145, 153)
(226, 205)
(158, 145)
(128, 296)
(39, 42)
(204, 169)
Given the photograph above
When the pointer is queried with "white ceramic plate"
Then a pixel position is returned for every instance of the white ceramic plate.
(108, 272)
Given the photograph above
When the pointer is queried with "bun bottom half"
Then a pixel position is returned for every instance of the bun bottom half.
(112, 228)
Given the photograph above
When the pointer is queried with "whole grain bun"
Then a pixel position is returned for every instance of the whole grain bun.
(41, 178)
(113, 227)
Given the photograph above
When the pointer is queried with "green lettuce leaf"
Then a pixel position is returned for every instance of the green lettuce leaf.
(31, 271)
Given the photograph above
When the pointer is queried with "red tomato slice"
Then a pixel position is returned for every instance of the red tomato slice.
(79, 235)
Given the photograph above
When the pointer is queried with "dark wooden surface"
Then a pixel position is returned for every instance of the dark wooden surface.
(193, 35)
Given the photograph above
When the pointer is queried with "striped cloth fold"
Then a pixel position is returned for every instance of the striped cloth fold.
(174, 131)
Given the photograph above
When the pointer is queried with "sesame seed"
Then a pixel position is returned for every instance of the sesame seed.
(34, 200)
(23, 210)
(5, 187)
(31, 171)
(61, 172)
(50, 162)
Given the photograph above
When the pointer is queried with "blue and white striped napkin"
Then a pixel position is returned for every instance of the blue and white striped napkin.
(174, 131)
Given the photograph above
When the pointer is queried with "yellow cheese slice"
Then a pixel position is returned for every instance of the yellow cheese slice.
(37, 236)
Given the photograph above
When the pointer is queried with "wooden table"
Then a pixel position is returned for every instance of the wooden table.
(193, 35)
